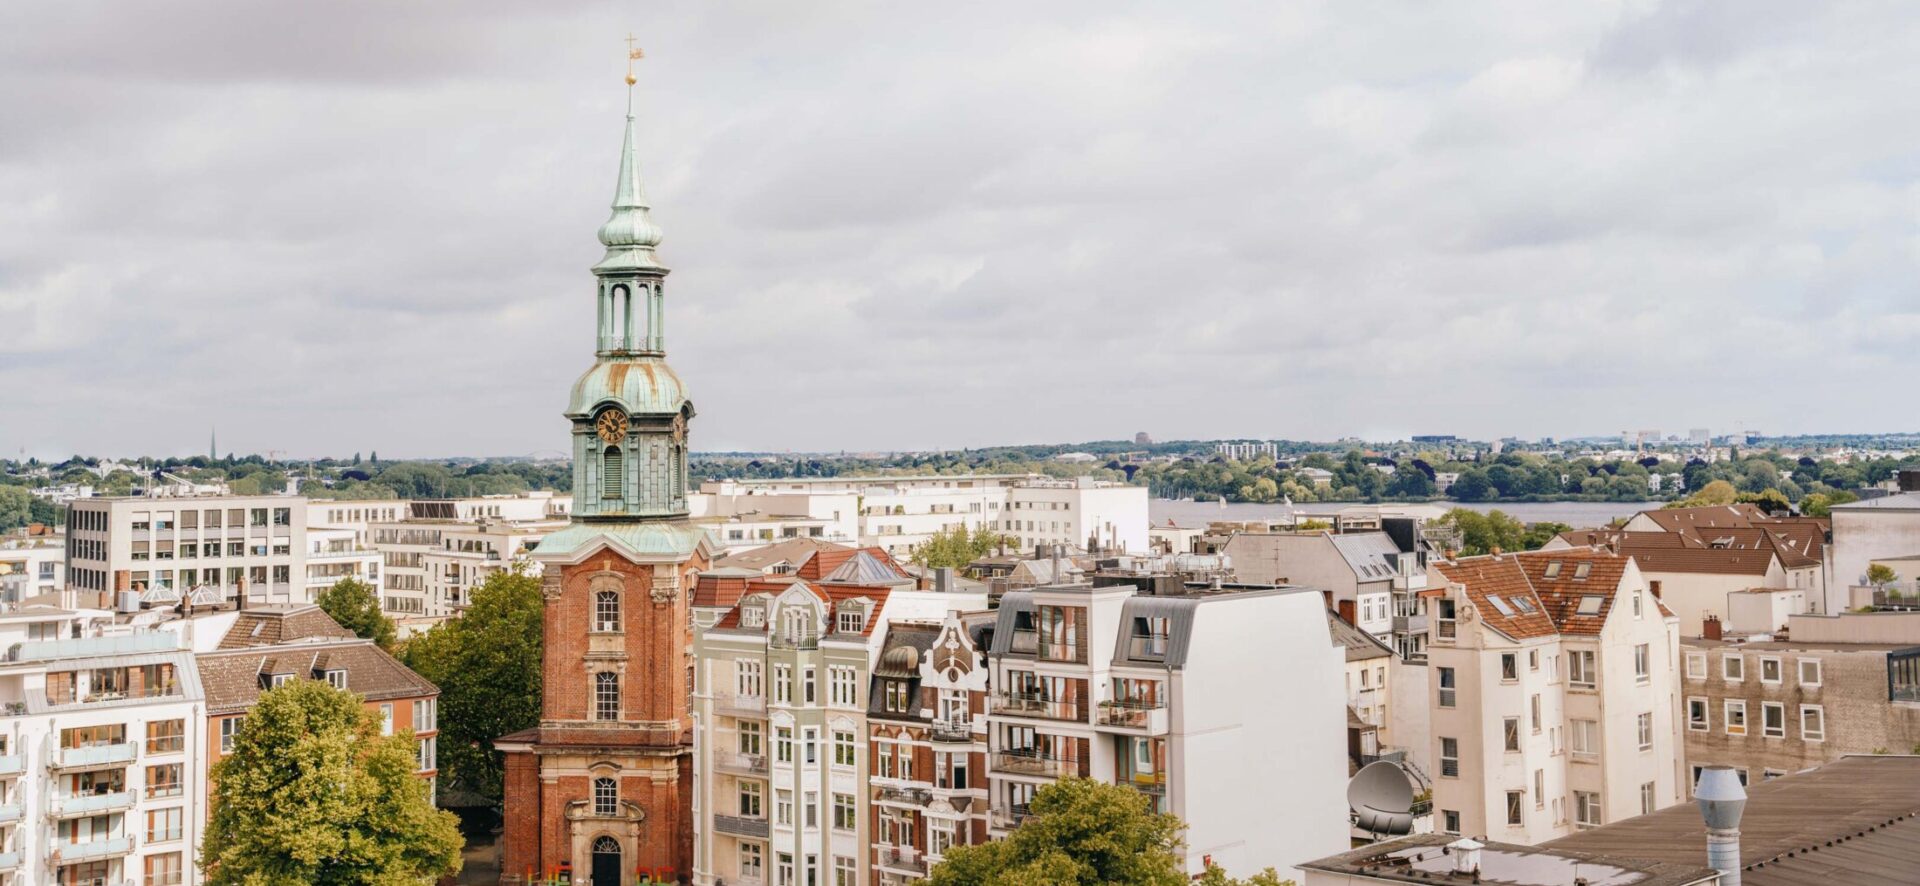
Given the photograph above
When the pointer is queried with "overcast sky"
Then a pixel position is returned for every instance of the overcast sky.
(366, 225)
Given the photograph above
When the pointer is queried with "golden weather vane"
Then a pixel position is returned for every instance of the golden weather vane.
(633, 54)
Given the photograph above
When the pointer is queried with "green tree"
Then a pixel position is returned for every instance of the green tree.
(1820, 504)
(487, 665)
(313, 793)
(1718, 492)
(16, 507)
(1481, 533)
(956, 546)
(356, 607)
(1880, 574)
(1081, 832)
(1471, 485)
(1538, 534)
(1215, 875)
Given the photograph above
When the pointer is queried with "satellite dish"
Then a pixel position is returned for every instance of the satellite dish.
(1381, 797)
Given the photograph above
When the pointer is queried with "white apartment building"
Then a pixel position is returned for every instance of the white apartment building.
(1554, 695)
(38, 564)
(431, 560)
(781, 669)
(1188, 698)
(900, 513)
(176, 544)
(96, 782)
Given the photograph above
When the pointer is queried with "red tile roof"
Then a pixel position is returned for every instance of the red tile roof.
(1709, 517)
(1521, 582)
(1502, 576)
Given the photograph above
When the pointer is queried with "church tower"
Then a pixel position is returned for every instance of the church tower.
(602, 789)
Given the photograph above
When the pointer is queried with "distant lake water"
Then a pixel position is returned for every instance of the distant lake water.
(1578, 514)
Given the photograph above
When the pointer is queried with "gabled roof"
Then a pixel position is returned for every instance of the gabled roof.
(233, 677)
(1369, 554)
(863, 568)
(1562, 592)
(794, 552)
(1709, 517)
(1627, 542)
(1714, 561)
(1359, 644)
(1501, 576)
(276, 625)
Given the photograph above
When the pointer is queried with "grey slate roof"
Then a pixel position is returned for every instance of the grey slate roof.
(1368, 554)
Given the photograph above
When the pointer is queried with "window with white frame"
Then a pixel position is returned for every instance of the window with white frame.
(1642, 664)
(750, 738)
(428, 750)
(1510, 732)
(842, 748)
(1646, 798)
(747, 676)
(783, 807)
(1643, 729)
(1813, 722)
(1581, 672)
(852, 619)
(606, 612)
(1585, 738)
(337, 678)
(1773, 719)
(1539, 788)
(229, 729)
(1734, 668)
(752, 861)
(844, 812)
(1809, 672)
(1450, 758)
(1697, 714)
(1696, 666)
(843, 689)
(751, 795)
(1769, 669)
(782, 684)
(606, 797)
(1735, 712)
(1447, 688)
(1516, 801)
(846, 871)
(783, 744)
(606, 696)
(426, 714)
(809, 685)
(1586, 808)
(1533, 713)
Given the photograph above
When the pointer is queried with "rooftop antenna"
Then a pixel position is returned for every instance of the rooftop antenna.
(1722, 799)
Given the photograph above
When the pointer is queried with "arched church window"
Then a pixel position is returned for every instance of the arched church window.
(606, 801)
(606, 696)
(606, 612)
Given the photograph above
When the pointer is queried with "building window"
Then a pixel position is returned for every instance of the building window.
(1736, 716)
(426, 714)
(852, 621)
(428, 750)
(1637, 606)
(842, 748)
(612, 473)
(747, 678)
(167, 736)
(752, 861)
(1586, 808)
(1642, 664)
(165, 780)
(1586, 737)
(386, 719)
(606, 696)
(1734, 667)
(844, 812)
(750, 797)
(1773, 719)
(808, 686)
(1646, 798)
(606, 612)
(1450, 757)
(783, 868)
(1696, 666)
(1580, 669)
(164, 825)
(846, 872)
(1515, 802)
(606, 797)
(1447, 688)
(1697, 714)
(1450, 821)
(1769, 669)
(783, 807)
(1813, 722)
(842, 687)
(1809, 672)
(1643, 726)
(783, 744)
(782, 684)
(1510, 730)
(1533, 712)
(229, 729)
(164, 869)
(1509, 666)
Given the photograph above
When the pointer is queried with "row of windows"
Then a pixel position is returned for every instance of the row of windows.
(846, 870)
(235, 517)
(1773, 718)
(843, 683)
(751, 794)
(1733, 668)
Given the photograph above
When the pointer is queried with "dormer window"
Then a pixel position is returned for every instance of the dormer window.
(1553, 569)
(337, 678)
(1150, 637)
(1590, 605)
(797, 624)
(278, 680)
(752, 616)
(1580, 571)
(852, 619)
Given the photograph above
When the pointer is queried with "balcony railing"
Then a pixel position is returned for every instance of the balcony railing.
(1026, 642)
(905, 859)
(740, 826)
(1410, 624)
(1133, 714)
(1024, 705)
(952, 729)
(1067, 652)
(171, 690)
(1154, 783)
(737, 704)
(1010, 817)
(1147, 648)
(91, 804)
(752, 764)
(1027, 762)
(908, 796)
(68, 853)
(96, 755)
(803, 640)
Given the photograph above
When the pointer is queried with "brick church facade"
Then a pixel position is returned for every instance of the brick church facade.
(601, 791)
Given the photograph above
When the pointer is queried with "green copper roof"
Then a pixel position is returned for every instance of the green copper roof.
(651, 538)
(641, 385)
(630, 234)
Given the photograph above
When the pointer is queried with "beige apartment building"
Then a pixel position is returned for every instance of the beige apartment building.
(173, 545)
(1554, 695)
(433, 557)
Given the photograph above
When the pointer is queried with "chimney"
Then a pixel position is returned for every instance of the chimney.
(1654, 586)
(943, 579)
(1722, 800)
(1710, 628)
(122, 581)
(1909, 480)
(1466, 855)
(241, 604)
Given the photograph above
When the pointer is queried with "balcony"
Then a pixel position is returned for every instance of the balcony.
(803, 640)
(737, 826)
(1147, 647)
(1010, 817)
(1030, 762)
(10, 814)
(94, 647)
(903, 796)
(13, 765)
(9, 861)
(1148, 717)
(69, 853)
(956, 729)
(91, 804)
(741, 764)
(95, 757)
(735, 704)
(1410, 624)
(1024, 705)
(1153, 784)
(903, 860)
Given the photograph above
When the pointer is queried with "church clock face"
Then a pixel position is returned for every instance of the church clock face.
(612, 425)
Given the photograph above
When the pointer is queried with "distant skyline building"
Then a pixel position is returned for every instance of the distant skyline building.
(1246, 450)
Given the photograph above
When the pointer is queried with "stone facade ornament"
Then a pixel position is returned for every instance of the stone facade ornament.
(550, 583)
(665, 585)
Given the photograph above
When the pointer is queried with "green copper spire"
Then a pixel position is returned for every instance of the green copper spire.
(630, 234)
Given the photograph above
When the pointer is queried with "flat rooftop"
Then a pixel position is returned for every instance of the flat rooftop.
(1851, 822)
(1424, 858)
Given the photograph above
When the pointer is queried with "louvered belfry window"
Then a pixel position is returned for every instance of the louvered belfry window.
(612, 474)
